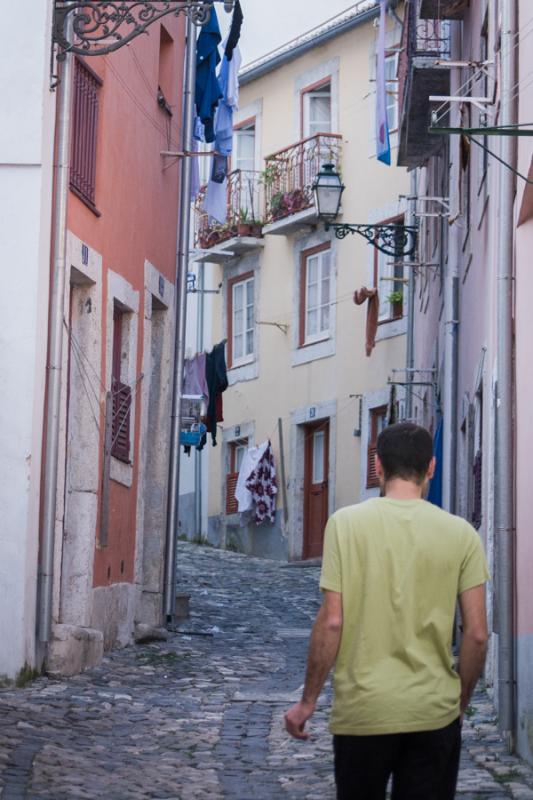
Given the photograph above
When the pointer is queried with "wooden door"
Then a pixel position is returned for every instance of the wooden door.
(316, 471)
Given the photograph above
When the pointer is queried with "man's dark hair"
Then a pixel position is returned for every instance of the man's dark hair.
(405, 451)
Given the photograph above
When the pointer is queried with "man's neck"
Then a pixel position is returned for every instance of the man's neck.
(398, 489)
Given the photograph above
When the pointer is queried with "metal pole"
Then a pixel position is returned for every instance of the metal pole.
(451, 320)
(410, 354)
(198, 453)
(504, 483)
(181, 322)
(55, 348)
(283, 474)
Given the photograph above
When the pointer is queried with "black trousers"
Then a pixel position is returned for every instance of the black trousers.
(423, 765)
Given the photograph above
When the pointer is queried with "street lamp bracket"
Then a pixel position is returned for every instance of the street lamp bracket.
(393, 240)
(100, 27)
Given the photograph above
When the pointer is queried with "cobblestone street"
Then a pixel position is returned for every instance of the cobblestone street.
(199, 716)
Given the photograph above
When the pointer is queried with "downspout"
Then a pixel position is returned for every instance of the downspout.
(55, 347)
(451, 315)
(504, 478)
(198, 453)
(410, 345)
(182, 264)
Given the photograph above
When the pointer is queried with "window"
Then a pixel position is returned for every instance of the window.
(391, 90)
(315, 291)
(237, 451)
(316, 110)
(84, 128)
(166, 70)
(121, 392)
(244, 147)
(241, 319)
(388, 279)
(377, 422)
(477, 465)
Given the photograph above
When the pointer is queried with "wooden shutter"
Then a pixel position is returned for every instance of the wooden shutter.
(84, 129)
(372, 481)
(121, 421)
(231, 484)
(371, 474)
(120, 447)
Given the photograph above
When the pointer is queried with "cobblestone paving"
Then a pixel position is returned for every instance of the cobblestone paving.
(199, 716)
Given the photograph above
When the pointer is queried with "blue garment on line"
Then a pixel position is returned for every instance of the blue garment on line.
(207, 90)
(435, 487)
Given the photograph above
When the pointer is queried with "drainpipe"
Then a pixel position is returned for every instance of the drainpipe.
(182, 265)
(504, 483)
(451, 315)
(198, 453)
(410, 346)
(55, 346)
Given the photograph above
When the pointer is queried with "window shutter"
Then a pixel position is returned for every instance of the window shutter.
(477, 493)
(84, 128)
(121, 421)
(231, 484)
(371, 474)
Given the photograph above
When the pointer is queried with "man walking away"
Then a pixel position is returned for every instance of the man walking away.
(393, 568)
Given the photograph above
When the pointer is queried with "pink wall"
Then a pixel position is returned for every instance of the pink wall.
(138, 201)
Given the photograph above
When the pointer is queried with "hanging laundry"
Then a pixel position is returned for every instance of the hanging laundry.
(251, 459)
(359, 298)
(217, 382)
(207, 90)
(235, 31)
(194, 377)
(216, 201)
(262, 485)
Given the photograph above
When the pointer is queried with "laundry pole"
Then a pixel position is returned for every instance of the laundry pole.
(182, 266)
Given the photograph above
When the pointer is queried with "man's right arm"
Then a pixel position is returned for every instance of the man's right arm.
(474, 640)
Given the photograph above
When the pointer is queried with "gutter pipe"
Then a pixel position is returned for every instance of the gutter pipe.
(504, 478)
(182, 265)
(410, 345)
(55, 347)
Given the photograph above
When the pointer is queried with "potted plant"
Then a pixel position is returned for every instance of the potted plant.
(244, 226)
(256, 228)
(396, 300)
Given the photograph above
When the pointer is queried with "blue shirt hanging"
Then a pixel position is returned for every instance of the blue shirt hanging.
(208, 91)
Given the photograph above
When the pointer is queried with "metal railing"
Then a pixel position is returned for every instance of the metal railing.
(245, 211)
(421, 38)
(290, 173)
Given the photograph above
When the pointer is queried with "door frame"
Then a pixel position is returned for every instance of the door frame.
(299, 419)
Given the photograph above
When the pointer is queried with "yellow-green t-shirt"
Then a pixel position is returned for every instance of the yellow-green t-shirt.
(399, 565)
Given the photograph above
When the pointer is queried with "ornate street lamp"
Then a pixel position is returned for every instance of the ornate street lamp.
(394, 240)
(102, 26)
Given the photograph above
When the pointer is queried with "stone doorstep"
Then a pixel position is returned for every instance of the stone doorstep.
(73, 649)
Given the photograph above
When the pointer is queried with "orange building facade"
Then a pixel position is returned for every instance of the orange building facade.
(118, 345)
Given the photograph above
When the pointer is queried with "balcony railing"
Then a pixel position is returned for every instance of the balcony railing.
(421, 38)
(290, 173)
(245, 211)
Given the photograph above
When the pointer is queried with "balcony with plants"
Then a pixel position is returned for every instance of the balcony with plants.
(288, 180)
(422, 72)
(242, 230)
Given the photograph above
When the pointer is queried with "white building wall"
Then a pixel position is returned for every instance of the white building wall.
(26, 154)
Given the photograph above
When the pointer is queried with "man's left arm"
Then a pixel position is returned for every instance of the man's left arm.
(323, 649)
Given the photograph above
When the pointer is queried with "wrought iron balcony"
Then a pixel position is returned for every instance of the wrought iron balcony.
(425, 47)
(242, 230)
(288, 180)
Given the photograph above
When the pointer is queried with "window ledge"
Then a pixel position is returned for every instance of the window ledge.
(85, 201)
(243, 372)
(389, 329)
(121, 472)
(312, 352)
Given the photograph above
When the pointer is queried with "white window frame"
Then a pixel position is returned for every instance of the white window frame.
(320, 91)
(247, 128)
(246, 358)
(322, 333)
(391, 91)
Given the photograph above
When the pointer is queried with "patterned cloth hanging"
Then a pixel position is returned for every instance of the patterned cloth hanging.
(263, 487)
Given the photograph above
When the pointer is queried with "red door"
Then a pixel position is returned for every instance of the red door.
(315, 487)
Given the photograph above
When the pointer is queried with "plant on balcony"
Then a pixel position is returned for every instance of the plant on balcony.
(270, 174)
(394, 298)
(284, 203)
(244, 225)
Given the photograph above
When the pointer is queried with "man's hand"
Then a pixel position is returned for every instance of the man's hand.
(296, 717)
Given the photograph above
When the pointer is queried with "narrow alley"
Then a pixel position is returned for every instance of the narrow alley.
(200, 715)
